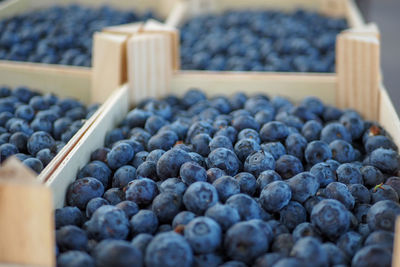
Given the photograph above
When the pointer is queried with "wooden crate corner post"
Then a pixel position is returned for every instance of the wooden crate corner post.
(109, 64)
(358, 72)
(26, 221)
(153, 55)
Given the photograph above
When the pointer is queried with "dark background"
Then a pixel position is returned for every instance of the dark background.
(386, 13)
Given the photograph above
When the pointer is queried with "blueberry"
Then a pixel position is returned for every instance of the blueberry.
(273, 131)
(45, 156)
(335, 255)
(34, 163)
(81, 191)
(233, 264)
(117, 253)
(373, 255)
(292, 214)
(94, 204)
(108, 222)
(98, 170)
(203, 234)
(288, 166)
(311, 130)
(224, 215)
(75, 259)
(282, 243)
(303, 186)
(123, 176)
(120, 155)
(245, 242)
(71, 237)
(182, 218)
(245, 122)
(246, 206)
(360, 193)
(141, 241)
(154, 155)
(244, 147)
(162, 140)
(169, 249)
(147, 169)
(341, 193)
(276, 149)
(379, 141)
(191, 172)
(310, 250)
(145, 221)
(342, 151)
(38, 141)
(353, 123)
(68, 216)
(199, 197)
(331, 218)
(258, 162)
(380, 238)
(7, 150)
(226, 186)
(275, 196)
(141, 191)
(384, 192)
(223, 159)
(208, 259)
(249, 133)
(324, 173)
(335, 131)
(247, 183)
(317, 151)
(349, 174)
(174, 185)
(129, 207)
(200, 143)
(350, 243)
(303, 230)
(394, 182)
(295, 145)
(386, 160)
(166, 206)
(268, 259)
(170, 163)
(114, 195)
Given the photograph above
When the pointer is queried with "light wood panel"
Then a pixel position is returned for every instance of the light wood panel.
(358, 71)
(112, 112)
(109, 64)
(225, 83)
(26, 221)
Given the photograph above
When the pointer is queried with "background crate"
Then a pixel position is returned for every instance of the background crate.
(14, 7)
(186, 9)
(63, 83)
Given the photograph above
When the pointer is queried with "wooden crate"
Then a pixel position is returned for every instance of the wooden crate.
(356, 85)
(63, 83)
(15, 7)
(186, 9)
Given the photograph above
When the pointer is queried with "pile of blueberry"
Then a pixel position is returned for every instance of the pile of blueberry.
(59, 34)
(35, 127)
(301, 41)
(238, 181)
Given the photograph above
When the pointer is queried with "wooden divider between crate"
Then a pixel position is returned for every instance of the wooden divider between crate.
(358, 71)
(109, 64)
(26, 221)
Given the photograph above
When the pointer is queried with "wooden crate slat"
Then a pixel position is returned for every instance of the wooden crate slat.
(112, 113)
(49, 79)
(219, 83)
